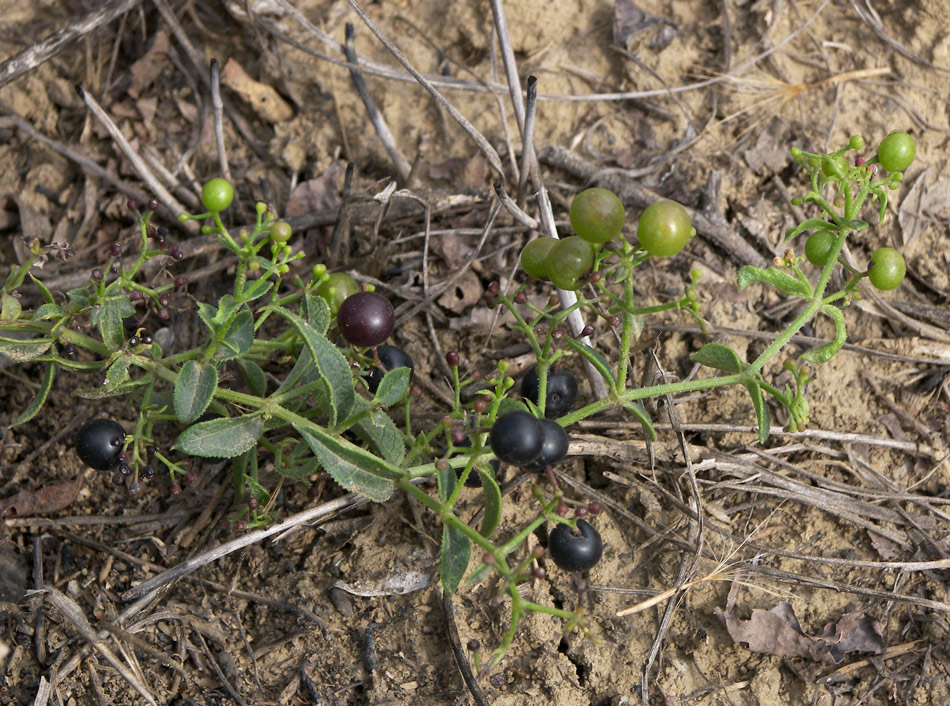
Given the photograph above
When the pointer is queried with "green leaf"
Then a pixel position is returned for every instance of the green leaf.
(824, 353)
(224, 437)
(456, 551)
(206, 313)
(112, 310)
(9, 307)
(227, 305)
(761, 409)
(811, 223)
(330, 362)
(720, 357)
(239, 337)
(381, 433)
(194, 389)
(39, 399)
(596, 359)
(256, 289)
(643, 417)
(253, 377)
(47, 311)
(780, 279)
(79, 296)
(492, 496)
(22, 351)
(353, 468)
(304, 372)
(317, 312)
(393, 387)
(509, 404)
(44, 290)
(478, 575)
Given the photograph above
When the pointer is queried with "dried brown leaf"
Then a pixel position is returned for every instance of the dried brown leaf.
(52, 497)
(320, 194)
(466, 291)
(153, 62)
(263, 98)
(777, 632)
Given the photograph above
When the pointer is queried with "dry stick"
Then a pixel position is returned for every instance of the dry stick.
(45, 50)
(146, 588)
(199, 63)
(527, 144)
(471, 681)
(16, 121)
(379, 122)
(138, 164)
(514, 90)
(70, 610)
(490, 154)
(217, 107)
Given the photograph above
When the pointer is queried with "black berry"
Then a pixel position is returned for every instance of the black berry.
(99, 443)
(575, 552)
(561, 393)
(517, 438)
(366, 319)
(554, 447)
(391, 357)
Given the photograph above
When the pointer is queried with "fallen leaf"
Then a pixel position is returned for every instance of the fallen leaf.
(13, 573)
(777, 632)
(263, 99)
(320, 194)
(153, 62)
(52, 497)
(464, 292)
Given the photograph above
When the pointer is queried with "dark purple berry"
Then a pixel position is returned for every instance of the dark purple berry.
(136, 296)
(575, 552)
(517, 438)
(480, 405)
(97, 274)
(554, 447)
(391, 357)
(164, 315)
(595, 508)
(253, 504)
(180, 281)
(99, 443)
(163, 301)
(152, 204)
(115, 249)
(133, 206)
(366, 319)
(613, 321)
(452, 358)
(560, 395)
(174, 489)
(133, 341)
(239, 526)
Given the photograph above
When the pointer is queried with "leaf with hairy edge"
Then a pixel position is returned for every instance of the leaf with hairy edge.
(596, 359)
(194, 389)
(456, 547)
(393, 387)
(44, 290)
(239, 337)
(643, 417)
(492, 497)
(779, 279)
(23, 351)
(256, 289)
(352, 467)
(380, 431)
(221, 438)
(330, 362)
(111, 312)
(761, 409)
(253, 377)
(39, 399)
(720, 357)
(317, 312)
(824, 353)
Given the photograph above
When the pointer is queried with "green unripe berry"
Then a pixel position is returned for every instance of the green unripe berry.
(534, 256)
(597, 215)
(217, 195)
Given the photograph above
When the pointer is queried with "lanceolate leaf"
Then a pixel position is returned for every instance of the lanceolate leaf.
(239, 337)
(780, 279)
(596, 359)
(331, 364)
(253, 376)
(824, 353)
(39, 399)
(113, 309)
(393, 387)
(22, 351)
(456, 550)
(761, 409)
(317, 312)
(492, 496)
(353, 468)
(720, 357)
(641, 414)
(221, 438)
(194, 389)
(380, 431)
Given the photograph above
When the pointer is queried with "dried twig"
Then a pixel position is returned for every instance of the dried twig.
(217, 106)
(46, 49)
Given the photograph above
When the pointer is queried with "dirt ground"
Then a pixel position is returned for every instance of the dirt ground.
(845, 522)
